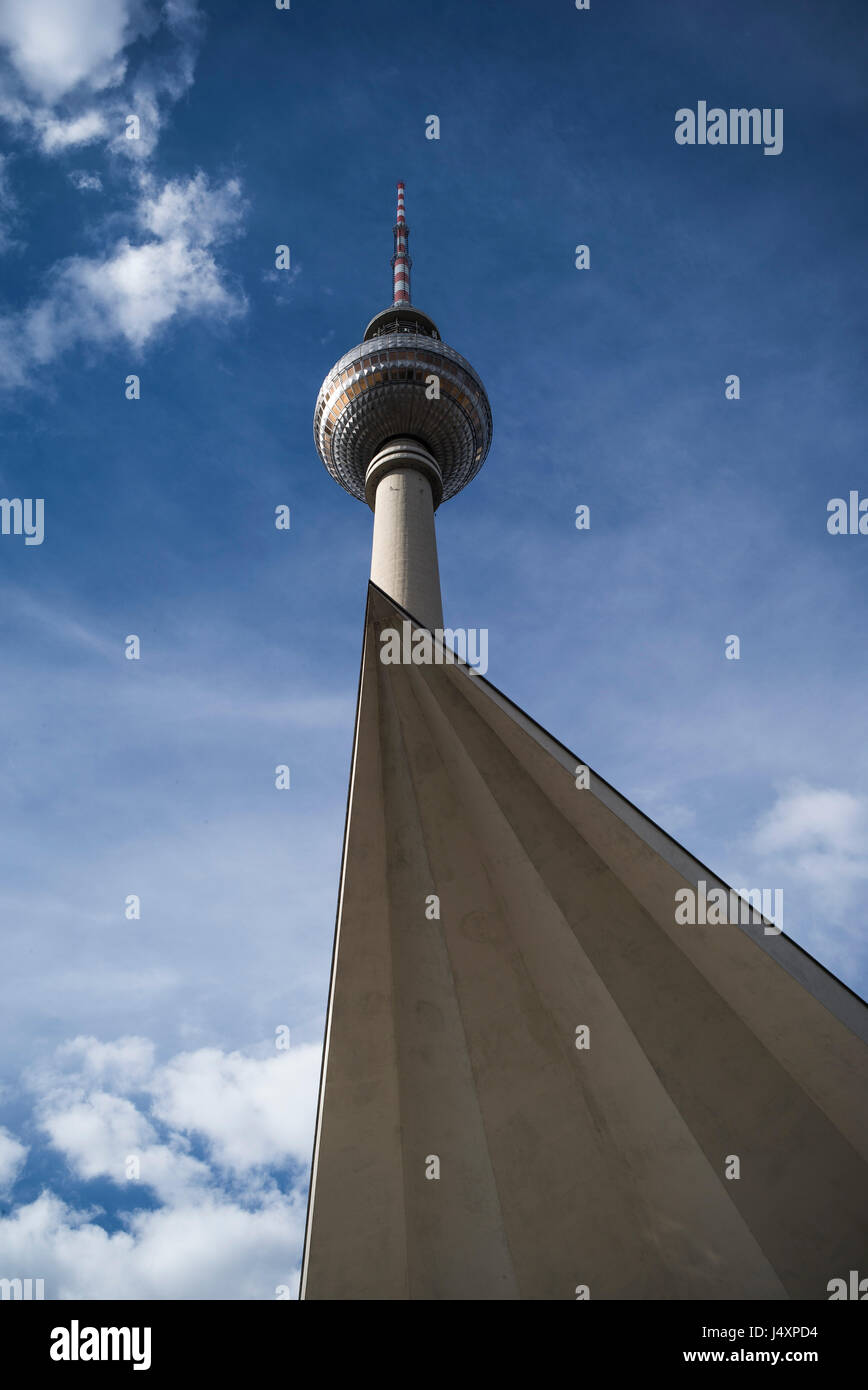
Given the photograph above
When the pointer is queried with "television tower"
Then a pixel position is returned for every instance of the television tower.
(540, 1080)
(403, 422)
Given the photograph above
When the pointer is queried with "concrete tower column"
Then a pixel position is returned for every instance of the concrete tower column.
(403, 487)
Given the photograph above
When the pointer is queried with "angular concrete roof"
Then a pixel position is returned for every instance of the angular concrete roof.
(455, 1038)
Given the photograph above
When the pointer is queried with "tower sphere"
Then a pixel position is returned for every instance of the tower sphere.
(402, 381)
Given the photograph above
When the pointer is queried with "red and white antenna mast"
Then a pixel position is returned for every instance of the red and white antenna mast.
(401, 260)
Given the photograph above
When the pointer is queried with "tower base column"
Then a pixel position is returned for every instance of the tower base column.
(403, 487)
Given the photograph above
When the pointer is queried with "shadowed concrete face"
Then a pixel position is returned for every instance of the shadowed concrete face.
(489, 909)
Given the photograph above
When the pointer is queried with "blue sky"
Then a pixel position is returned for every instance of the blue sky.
(155, 257)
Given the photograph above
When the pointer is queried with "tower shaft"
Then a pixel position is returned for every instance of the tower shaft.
(402, 484)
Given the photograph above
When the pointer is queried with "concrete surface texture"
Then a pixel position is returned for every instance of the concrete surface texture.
(466, 1147)
(404, 551)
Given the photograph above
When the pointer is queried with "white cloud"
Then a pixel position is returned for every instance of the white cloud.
(97, 1133)
(223, 1229)
(250, 1111)
(81, 130)
(67, 79)
(100, 1133)
(12, 1156)
(64, 84)
(55, 45)
(818, 836)
(137, 288)
(813, 843)
(814, 822)
(190, 211)
(126, 1064)
(211, 1250)
(132, 293)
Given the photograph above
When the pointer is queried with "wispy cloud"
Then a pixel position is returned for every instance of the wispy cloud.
(139, 286)
(70, 82)
(8, 208)
(814, 840)
(12, 1156)
(85, 182)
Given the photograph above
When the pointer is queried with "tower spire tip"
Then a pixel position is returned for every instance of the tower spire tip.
(401, 260)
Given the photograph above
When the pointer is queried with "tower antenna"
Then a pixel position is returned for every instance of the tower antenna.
(401, 260)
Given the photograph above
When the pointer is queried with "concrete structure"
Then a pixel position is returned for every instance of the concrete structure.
(537, 1084)
(401, 483)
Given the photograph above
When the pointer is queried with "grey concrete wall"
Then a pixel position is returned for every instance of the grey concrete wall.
(455, 1038)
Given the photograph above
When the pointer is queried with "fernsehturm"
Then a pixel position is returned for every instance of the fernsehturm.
(562, 1059)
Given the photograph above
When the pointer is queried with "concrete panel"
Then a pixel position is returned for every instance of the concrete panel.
(455, 1036)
